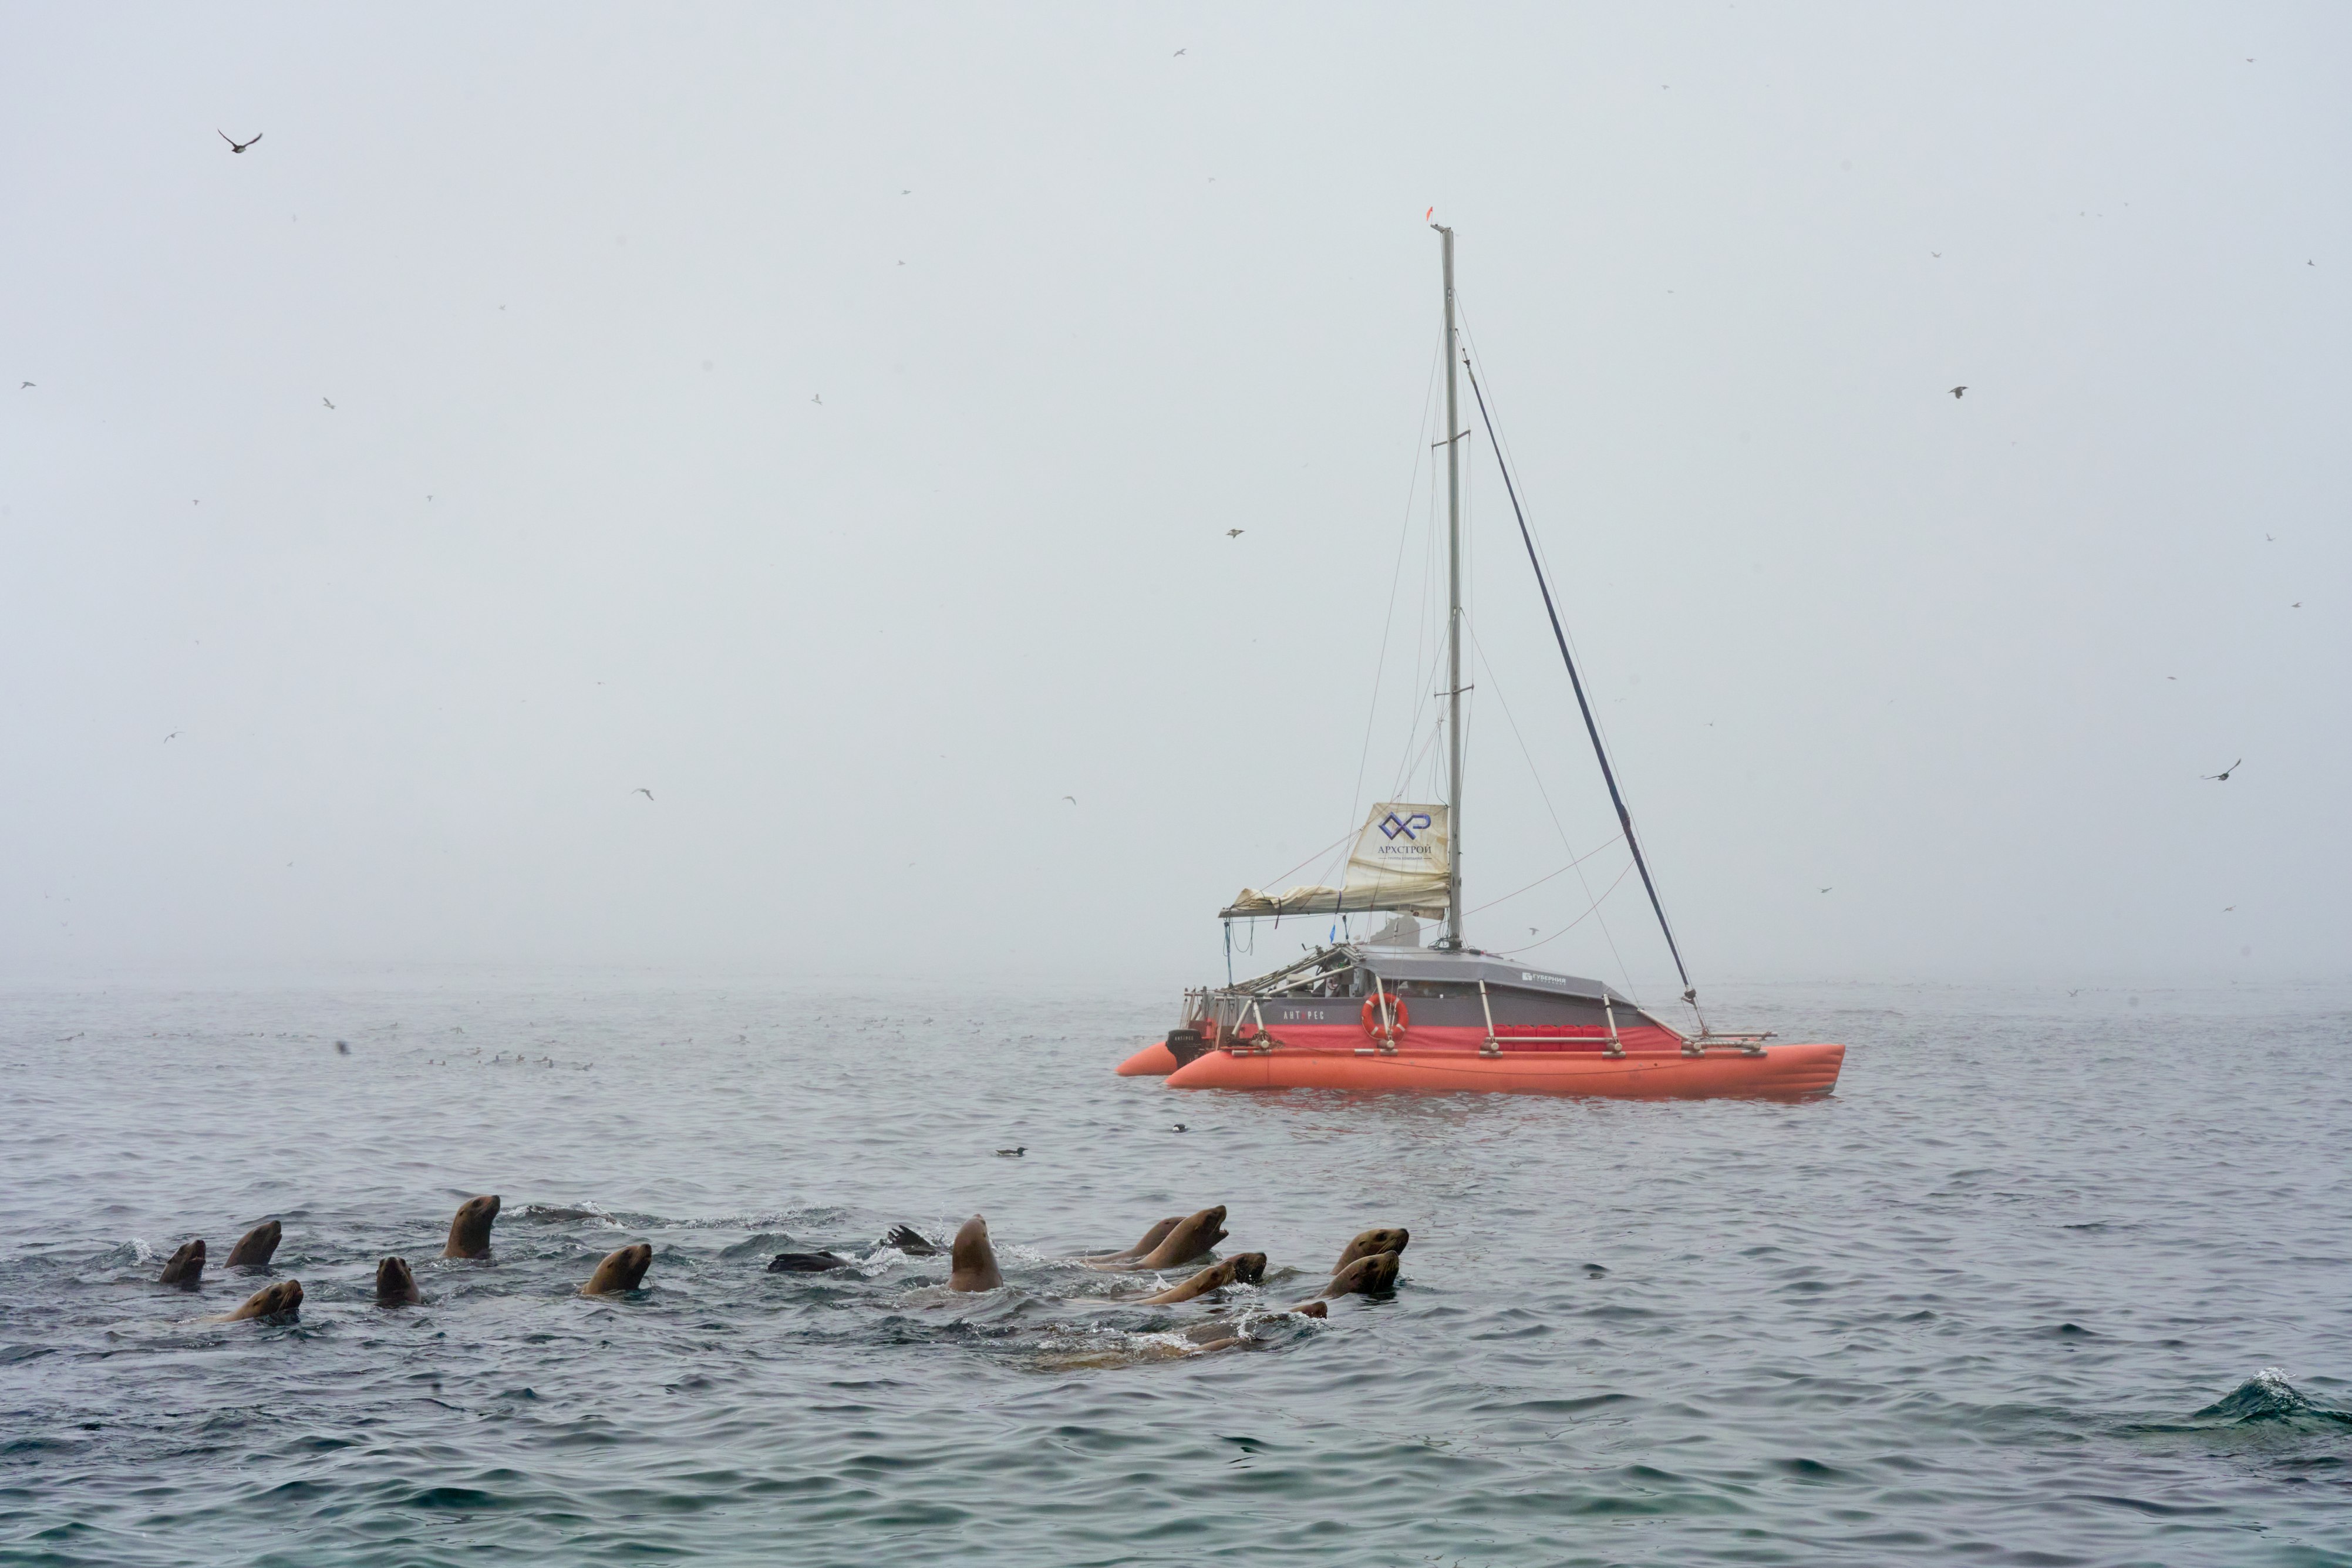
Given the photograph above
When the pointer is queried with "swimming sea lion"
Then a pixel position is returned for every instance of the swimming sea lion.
(805, 1262)
(470, 1233)
(394, 1285)
(255, 1247)
(1241, 1269)
(1190, 1242)
(1247, 1342)
(281, 1301)
(186, 1269)
(1372, 1276)
(1151, 1238)
(972, 1262)
(911, 1241)
(621, 1270)
(1387, 1239)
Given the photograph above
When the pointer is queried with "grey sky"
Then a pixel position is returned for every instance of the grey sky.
(572, 276)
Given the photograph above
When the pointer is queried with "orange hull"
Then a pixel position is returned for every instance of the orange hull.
(1783, 1071)
(1154, 1061)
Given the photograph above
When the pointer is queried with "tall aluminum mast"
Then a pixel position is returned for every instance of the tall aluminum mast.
(1453, 434)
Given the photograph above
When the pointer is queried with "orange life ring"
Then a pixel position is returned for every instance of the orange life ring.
(1396, 1014)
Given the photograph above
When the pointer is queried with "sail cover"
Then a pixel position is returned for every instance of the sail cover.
(1401, 862)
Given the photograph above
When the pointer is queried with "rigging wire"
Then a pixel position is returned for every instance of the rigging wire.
(1601, 753)
(1396, 575)
(1515, 952)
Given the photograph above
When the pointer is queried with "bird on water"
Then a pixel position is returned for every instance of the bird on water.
(1012, 1154)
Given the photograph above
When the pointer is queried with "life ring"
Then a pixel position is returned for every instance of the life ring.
(1398, 1018)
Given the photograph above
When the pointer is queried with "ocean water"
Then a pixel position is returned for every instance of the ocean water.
(2051, 1278)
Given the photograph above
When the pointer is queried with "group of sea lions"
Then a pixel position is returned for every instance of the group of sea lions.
(1367, 1265)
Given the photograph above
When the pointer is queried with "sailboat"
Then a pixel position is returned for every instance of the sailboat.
(1389, 1014)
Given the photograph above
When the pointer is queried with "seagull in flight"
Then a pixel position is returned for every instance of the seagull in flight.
(818, 399)
(25, 384)
(2224, 775)
(328, 400)
(1956, 392)
(1073, 800)
(171, 738)
(641, 790)
(1178, 52)
(234, 144)
(1233, 533)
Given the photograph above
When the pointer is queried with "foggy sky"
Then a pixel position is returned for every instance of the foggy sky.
(1075, 305)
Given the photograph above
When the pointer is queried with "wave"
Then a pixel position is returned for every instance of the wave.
(2267, 1396)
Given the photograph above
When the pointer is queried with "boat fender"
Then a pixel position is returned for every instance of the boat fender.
(1397, 1015)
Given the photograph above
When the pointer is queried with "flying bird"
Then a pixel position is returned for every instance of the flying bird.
(25, 384)
(1172, 57)
(1936, 253)
(1233, 533)
(2296, 605)
(1956, 392)
(2224, 775)
(1073, 800)
(643, 790)
(1825, 890)
(818, 399)
(328, 400)
(2272, 538)
(234, 144)
(171, 738)
(2229, 909)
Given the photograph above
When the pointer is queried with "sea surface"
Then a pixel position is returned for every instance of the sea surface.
(2052, 1279)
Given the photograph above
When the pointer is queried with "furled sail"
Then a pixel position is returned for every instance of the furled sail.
(1401, 863)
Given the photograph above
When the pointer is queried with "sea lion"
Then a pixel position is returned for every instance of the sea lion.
(1250, 1342)
(1151, 1238)
(621, 1270)
(394, 1285)
(256, 1247)
(911, 1241)
(186, 1269)
(972, 1262)
(1188, 1242)
(1387, 1239)
(470, 1233)
(805, 1262)
(281, 1301)
(1372, 1276)
(1241, 1269)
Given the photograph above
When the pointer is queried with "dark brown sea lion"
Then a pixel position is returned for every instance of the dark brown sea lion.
(256, 1247)
(621, 1270)
(1151, 1238)
(394, 1285)
(1372, 1276)
(1241, 1269)
(1387, 1239)
(470, 1233)
(281, 1301)
(972, 1262)
(186, 1269)
(805, 1262)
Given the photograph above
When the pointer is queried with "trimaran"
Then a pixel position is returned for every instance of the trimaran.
(1388, 1014)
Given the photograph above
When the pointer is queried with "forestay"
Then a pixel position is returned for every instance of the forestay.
(1401, 862)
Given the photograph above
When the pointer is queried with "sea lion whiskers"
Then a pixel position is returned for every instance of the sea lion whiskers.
(469, 1232)
(623, 1269)
(256, 1247)
(186, 1269)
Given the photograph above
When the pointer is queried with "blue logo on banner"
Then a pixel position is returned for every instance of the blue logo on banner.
(1395, 825)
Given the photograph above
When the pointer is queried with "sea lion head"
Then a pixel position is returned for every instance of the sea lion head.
(972, 1260)
(1311, 1309)
(186, 1268)
(1375, 1275)
(1248, 1267)
(470, 1233)
(621, 1270)
(282, 1300)
(1386, 1239)
(394, 1285)
(256, 1247)
(1192, 1238)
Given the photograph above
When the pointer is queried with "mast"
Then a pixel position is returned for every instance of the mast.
(1453, 616)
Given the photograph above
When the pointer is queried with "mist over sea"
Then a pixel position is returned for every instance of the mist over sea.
(2052, 1279)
